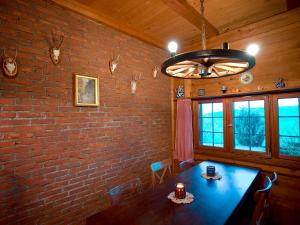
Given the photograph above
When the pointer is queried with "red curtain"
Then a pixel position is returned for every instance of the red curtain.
(184, 131)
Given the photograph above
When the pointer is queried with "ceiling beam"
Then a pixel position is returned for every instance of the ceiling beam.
(109, 21)
(292, 4)
(184, 9)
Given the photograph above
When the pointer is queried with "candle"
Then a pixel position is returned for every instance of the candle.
(180, 191)
(210, 171)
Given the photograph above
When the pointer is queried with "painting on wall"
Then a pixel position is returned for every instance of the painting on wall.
(86, 90)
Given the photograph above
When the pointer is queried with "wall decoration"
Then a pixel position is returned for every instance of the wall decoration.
(280, 83)
(9, 63)
(113, 63)
(224, 89)
(180, 91)
(86, 90)
(155, 72)
(246, 78)
(54, 50)
(201, 92)
(260, 88)
(133, 83)
(235, 90)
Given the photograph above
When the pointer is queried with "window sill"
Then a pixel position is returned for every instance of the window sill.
(283, 166)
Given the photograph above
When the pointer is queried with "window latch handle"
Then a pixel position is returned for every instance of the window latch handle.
(229, 125)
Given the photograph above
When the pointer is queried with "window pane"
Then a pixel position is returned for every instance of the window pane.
(288, 107)
(258, 143)
(241, 142)
(211, 124)
(206, 110)
(241, 125)
(219, 140)
(249, 125)
(218, 124)
(206, 138)
(206, 124)
(241, 109)
(257, 108)
(290, 146)
(257, 125)
(218, 110)
(289, 126)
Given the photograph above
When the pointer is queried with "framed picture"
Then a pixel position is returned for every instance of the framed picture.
(86, 90)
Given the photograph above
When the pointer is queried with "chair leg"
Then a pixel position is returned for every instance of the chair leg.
(162, 176)
(170, 170)
(152, 180)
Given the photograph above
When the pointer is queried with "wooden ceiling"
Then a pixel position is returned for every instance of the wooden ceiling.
(159, 21)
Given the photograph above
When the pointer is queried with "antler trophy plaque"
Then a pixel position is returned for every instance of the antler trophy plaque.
(113, 63)
(133, 83)
(155, 71)
(9, 64)
(54, 50)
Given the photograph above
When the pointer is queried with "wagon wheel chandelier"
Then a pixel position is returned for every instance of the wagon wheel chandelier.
(207, 63)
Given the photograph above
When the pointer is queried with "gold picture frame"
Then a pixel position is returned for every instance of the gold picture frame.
(86, 90)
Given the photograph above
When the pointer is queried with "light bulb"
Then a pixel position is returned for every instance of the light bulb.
(252, 49)
(172, 46)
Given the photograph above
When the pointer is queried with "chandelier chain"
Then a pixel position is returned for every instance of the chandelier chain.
(203, 32)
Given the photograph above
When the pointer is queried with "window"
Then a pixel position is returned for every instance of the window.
(211, 130)
(289, 126)
(249, 125)
(258, 126)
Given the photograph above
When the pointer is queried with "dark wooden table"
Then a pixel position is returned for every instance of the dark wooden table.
(216, 202)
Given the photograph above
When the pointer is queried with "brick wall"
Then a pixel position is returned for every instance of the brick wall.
(57, 159)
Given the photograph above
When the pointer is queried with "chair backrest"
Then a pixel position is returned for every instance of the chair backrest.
(274, 177)
(124, 191)
(159, 170)
(261, 197)
(187, 164)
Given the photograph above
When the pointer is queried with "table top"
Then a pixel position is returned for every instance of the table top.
(215, 201)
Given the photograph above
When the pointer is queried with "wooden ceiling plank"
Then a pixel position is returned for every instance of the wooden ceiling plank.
(109, 21)
(185, 10)
(252, 30)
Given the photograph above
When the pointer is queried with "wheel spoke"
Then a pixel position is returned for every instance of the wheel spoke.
(241, 65)
(227, 68)
(216, 71)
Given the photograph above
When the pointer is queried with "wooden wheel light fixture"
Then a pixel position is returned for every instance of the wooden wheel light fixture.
(207, 63)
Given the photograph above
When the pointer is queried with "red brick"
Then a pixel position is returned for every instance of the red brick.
(7, 101)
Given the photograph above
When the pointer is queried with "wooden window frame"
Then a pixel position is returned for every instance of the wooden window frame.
(271, 128)
(196, 125)
(275, 125)
(267, 125)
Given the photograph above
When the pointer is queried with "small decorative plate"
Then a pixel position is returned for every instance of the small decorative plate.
(246, 78)
(188, 199)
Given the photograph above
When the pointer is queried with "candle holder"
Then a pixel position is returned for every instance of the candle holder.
(210, 171)
(180, 191)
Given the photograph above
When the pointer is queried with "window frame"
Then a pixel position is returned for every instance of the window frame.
(231, 128)
(275, 125)
(196, 125)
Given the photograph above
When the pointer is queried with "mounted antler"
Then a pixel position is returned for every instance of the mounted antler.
(137, 77)
(12, 49)
(133, 83)
(113, 63)
(58, 42)
(9, 64)
(54, 50)
(155, 71)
